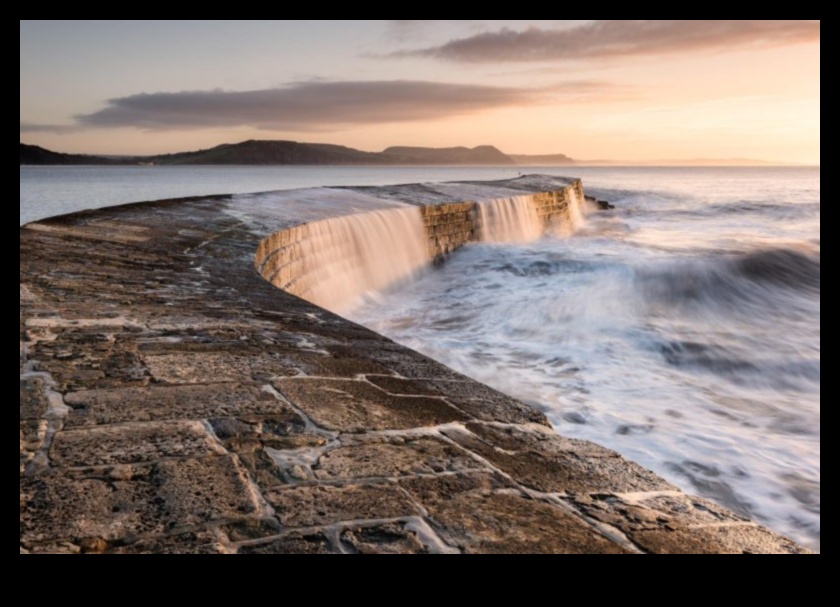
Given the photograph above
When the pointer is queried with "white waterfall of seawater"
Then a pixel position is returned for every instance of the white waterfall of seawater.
(346, 257)
(577, 204)
(573, 218)
(511, 219)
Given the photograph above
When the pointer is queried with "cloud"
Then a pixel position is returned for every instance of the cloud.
(62, 129)
(323, 106)
(319, 106)
(303, 106)
(620, 38)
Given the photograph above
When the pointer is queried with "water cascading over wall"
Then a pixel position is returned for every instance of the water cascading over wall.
(333, 262)
(510, 220)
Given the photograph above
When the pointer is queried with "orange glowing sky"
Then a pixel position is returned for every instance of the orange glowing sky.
(626, 90)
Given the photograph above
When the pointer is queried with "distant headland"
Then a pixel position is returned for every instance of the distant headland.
(292, 153)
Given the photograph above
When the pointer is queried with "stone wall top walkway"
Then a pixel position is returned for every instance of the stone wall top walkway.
(173, 401)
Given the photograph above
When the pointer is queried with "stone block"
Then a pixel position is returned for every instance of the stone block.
(393, 458)
(124, 502)
(472, 515)
(552, 464)
(352, 406)
(325, 505)
(132, 444)
(159, 403)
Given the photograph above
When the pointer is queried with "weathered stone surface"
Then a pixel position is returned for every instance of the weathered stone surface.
(402, 387)
(33, 398)
(392, 458)
(552, 464)
(306, 543)
(158, 403)
(740, 539)
(200, 542)
(351, 406)
(32, 437)
(390, 538)
(486, 404)
(215, 367)
(396, 359)
(132, 444)
(325, 505)
(675, 523)
(128, 501)
(334, 366)
(472, 515)
(252, 529)
(90, 358)
(249, 432)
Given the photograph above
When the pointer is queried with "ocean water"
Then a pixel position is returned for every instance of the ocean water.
(49, 191)
(681, 329)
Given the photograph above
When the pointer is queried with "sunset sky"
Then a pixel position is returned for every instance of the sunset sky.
(627, 90)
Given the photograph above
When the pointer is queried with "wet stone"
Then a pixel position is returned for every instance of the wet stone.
(394, 458)
(158, 403)
(132, 444)
(308, 543)
(324, 505)
(129, 501)
(349, 406)
(391, 538)
(33, 398)
(552, 464)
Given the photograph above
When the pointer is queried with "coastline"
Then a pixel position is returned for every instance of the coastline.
(172, 400)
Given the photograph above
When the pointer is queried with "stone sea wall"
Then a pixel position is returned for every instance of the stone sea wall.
(282, 257)
(173, 401)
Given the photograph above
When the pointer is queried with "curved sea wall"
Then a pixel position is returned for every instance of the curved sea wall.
(173, 400)
(331, 261)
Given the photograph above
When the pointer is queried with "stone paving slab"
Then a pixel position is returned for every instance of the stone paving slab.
(128, 501)
(159, 403)
(355, 406)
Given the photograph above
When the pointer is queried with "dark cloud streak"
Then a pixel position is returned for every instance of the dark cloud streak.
(61, 129)
(317, 106)
(613, 38)
(320, 106)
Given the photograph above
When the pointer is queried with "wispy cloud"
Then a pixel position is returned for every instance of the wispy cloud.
(30, 127)
(320, 106)
(619, 38)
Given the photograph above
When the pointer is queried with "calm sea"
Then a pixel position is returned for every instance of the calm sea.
(681, 329)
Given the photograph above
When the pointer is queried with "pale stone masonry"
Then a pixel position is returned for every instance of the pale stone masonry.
(172, 400)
